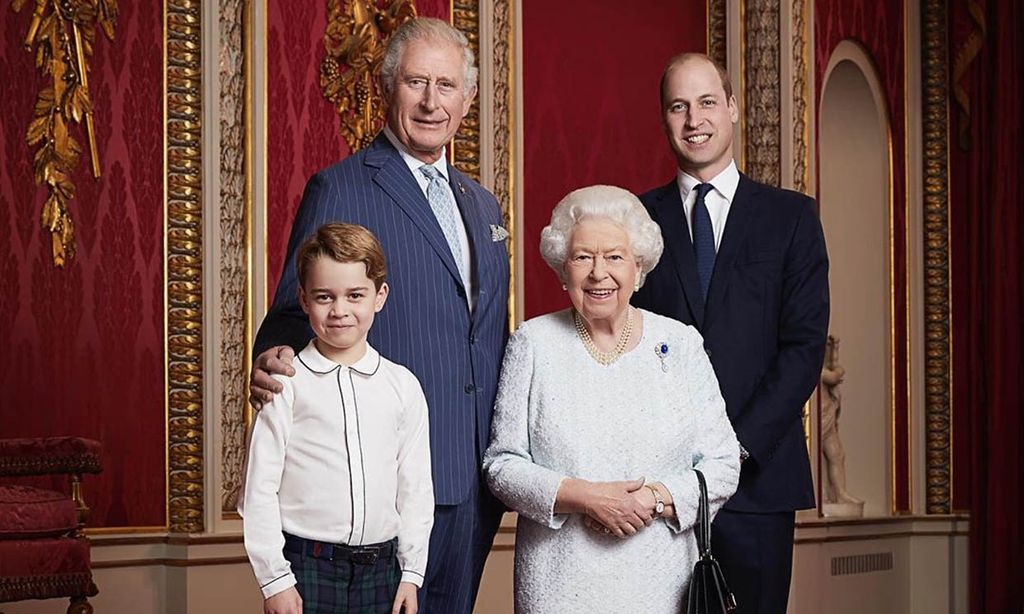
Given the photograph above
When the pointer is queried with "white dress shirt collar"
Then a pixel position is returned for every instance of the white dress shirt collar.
(718, 201)
(725, 183)
(318, 363)
(414, 163)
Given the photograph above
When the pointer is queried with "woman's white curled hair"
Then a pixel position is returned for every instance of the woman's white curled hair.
(601, 202)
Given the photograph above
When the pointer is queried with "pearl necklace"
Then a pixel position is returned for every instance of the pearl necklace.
(604, 358)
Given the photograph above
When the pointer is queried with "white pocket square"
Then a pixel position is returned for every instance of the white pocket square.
(498, 233)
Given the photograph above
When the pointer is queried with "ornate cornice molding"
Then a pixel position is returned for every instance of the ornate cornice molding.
(761, 83)
(234, 218)
(184, 240)
(466, 144)
(935, 119)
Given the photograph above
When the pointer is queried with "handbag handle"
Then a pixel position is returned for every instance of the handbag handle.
(703, 524)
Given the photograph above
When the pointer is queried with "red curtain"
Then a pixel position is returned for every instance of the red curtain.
(987, 153)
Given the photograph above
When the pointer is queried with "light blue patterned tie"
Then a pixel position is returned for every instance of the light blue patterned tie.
(442, 202)
(703, 239)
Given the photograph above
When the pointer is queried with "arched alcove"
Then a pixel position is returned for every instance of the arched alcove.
(855, 177)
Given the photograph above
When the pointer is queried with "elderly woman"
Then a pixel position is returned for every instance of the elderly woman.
(603, 412)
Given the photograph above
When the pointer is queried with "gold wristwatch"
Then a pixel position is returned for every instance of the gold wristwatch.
(659, 503)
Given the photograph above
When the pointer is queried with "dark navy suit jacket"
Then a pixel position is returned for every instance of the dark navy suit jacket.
(764, 326)
(426, 324)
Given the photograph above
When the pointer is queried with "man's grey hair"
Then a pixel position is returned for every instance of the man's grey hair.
(425, 29)
(603, 202)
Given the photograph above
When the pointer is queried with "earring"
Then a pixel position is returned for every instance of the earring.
(565, 288)
(636, 286)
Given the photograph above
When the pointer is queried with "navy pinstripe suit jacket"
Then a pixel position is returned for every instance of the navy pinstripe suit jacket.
(426, 324)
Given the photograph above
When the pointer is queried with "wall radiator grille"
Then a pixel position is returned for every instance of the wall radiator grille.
(861, 563)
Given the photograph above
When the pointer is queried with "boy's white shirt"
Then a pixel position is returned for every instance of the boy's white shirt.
(341, 455)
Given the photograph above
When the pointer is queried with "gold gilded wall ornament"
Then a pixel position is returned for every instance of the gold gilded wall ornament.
(63, 33)
(355, 40)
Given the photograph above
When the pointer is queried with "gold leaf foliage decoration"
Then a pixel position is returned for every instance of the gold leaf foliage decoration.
(62, 32)
(355, 41)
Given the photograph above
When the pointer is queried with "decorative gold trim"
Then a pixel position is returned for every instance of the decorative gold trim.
(249, 39)
(908, 282)
(63, 35)
(235, 220)
(503, 129)
(892, 314)
(265, 156)
(801, 95)
(354, 43)
(762, 108)
(465, 17)
(184, 263)
(937, 338)
(717, 22)
(98, 531)
(740, 153)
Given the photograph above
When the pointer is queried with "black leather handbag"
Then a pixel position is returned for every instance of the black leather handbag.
(709, 593)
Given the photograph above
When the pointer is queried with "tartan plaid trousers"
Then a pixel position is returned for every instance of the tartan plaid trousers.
(332, 587)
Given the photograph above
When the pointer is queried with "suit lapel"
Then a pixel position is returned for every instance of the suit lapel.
(394, 178)
(477, 230)
(736, 227)
(668, 209)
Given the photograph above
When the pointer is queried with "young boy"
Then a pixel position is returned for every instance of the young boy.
(338, 501)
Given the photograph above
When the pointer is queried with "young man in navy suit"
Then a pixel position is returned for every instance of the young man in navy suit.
(447, 315)
(746, 265)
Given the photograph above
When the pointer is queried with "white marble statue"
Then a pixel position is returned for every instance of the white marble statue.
(838, 501)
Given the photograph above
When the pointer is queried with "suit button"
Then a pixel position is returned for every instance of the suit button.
(472, 338)
(470, 388)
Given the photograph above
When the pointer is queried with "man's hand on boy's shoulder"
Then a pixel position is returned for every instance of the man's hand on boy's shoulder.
(287, 601)
(405, 599)
(262, 386)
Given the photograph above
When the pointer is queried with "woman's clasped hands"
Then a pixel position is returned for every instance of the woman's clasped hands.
(619, 508)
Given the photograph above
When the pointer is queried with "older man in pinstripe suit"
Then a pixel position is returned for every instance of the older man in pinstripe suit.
(446, 318)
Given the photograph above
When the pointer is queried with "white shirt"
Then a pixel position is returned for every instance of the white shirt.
(717, 201)
(441, 164)
(341, 455)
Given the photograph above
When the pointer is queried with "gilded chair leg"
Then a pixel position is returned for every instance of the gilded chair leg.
(79, 605)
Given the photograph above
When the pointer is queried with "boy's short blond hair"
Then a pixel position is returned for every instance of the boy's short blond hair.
(343, 243)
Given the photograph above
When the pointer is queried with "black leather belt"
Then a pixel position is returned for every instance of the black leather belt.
(360, 555)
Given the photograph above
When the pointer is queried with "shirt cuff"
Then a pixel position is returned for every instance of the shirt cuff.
(277, 585)
(413, 577)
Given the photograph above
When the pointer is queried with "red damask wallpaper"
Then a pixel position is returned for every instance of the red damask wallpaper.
(302, 131)
(590, 108)
(879, 26)
(83, 347)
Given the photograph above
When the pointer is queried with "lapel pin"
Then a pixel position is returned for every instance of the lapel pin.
(498, 233)
(462, 188)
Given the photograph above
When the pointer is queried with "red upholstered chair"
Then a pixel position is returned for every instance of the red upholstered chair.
(43, 553)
